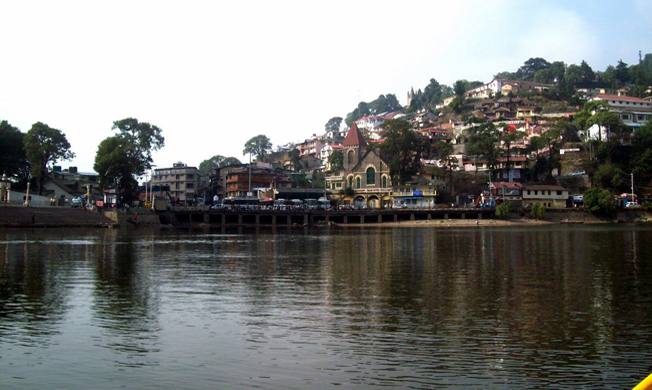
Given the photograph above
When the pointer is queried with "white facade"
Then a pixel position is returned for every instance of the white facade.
(634, 112)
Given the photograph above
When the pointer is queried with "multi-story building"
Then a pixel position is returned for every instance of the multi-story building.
(257, 181)
(633, 111)
(182, 180)
(546, 195)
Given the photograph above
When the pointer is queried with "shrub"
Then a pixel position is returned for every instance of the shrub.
(599, 202)
(504, 209)
(538, 211)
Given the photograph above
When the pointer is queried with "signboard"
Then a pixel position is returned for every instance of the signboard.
(250, 194)
(417, 193)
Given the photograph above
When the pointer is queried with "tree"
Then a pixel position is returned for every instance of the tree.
(596, 112)
(258, 146)
(295, 159)
(538, 211)
(530, 68)
(44, 146)
(13, 161)
(444, 152)
(333, 124)
(140, 139)
(481, 143)
(207, 166)
(599, 202)
(402, 149)
(336, 160)
(115, 167)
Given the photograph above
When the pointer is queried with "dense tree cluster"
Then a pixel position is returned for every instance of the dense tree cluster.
(567, 78)
(384, 104)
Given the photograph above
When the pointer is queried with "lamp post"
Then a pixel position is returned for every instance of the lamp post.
(27, 196)
(633, 199)
(151, 185)
(249, 192)
(146, 188)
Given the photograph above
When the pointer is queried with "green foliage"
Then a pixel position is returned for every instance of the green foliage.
(115, 167)
(504, 209)
(13, 160)
(44, 146)
(599, 202)
(333, 124)
(531, 67)
(295, 159)
(336, 160)
(481, 143)
(538, 211)
(140, 139)
(258, 146)
(207, 166)
(384, 103)
(402, 149)
(348, 191)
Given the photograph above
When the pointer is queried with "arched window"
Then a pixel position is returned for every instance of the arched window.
(358, 182)
(371, 176)
(350, 157)
(351, 181)
(384, 183)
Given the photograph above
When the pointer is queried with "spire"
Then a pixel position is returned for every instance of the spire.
(354, 137)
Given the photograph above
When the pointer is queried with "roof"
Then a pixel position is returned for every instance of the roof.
(542, 187)
(354, 137)
(621, 98)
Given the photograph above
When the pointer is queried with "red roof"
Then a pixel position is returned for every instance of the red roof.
(354, 138)
(622, 98)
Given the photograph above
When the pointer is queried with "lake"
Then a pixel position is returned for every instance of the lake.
(549, 307)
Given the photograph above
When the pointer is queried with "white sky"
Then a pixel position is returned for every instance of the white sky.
(213, 74)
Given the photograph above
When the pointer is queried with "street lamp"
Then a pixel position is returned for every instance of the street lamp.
(151, 186)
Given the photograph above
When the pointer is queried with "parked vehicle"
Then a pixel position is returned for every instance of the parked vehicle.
(76, 202)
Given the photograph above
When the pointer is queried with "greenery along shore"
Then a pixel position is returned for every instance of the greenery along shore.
(563, 112)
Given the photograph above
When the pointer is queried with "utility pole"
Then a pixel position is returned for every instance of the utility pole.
(633, 199)
(249, 192)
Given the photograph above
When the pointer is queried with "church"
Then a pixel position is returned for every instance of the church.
(364, 181)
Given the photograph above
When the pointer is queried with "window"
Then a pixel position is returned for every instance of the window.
(189, 176)
(358, 182)
(384, 182)
(371, 176)
(351, 182)
(176, 177)
(558, 192)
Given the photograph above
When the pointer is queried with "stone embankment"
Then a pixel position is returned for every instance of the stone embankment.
(21, 216)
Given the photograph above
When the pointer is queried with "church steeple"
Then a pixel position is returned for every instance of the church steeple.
(354, 147)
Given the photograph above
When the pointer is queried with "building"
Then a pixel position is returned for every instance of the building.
(633, 111)
(546, 195)
(254, 181)
(182, 180)
(364, 181)
(492, 88)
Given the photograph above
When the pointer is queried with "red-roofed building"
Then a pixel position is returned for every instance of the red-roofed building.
(364, 172)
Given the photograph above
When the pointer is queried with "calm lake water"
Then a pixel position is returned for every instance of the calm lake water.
(554, 307)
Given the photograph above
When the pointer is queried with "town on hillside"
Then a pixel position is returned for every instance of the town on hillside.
(545, 136)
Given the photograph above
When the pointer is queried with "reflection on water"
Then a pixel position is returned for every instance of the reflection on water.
(550, 307)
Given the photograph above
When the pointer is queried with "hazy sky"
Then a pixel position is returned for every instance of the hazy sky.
(213, 74)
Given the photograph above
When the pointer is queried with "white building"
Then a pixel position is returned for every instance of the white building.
(633, 111)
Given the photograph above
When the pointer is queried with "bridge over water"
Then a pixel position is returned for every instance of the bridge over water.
(309, 217)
